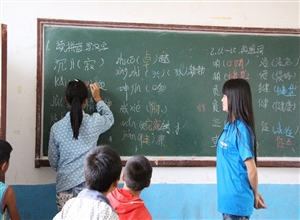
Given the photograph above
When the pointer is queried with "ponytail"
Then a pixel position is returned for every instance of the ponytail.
(76, 94)
(76, 116)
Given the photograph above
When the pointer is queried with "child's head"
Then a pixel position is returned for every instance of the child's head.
(137, 173)
(76, 95)
(5, 149)
(102, 167)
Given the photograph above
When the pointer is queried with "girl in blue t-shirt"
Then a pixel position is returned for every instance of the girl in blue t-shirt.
(72, 137)
(237, 178)
(8, 201)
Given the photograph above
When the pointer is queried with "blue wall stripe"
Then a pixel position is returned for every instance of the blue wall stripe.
(170, 201)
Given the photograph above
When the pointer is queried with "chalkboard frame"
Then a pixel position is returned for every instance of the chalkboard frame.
(3, 85)
(3, 80)
(41, 161)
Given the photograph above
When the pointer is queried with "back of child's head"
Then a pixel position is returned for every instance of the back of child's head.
(76, 93)
(138, 173)
(102, 167)
(5, 149)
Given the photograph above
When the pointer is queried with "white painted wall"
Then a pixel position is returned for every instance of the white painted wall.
(21, 18)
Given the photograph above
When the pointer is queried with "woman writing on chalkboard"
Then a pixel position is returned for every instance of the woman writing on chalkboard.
(237, 178)
(74, 136)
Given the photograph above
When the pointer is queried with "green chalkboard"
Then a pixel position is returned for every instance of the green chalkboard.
(164, 84)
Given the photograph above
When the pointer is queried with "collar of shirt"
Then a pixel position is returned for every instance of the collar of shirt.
(93, 194)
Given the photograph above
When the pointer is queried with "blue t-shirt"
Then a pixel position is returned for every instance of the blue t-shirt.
(66, 154)
(235, 195)
(3, 189)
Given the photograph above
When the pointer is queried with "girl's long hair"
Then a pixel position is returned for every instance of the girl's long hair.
(76, 93)
(239, 98)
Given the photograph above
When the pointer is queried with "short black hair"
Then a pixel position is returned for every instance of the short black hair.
(5, 149)
(102, 167)
(138, 172)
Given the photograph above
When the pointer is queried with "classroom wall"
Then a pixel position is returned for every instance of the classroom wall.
(195, 186)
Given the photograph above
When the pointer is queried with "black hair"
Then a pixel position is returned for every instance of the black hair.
(138, 172)
(76, 93)
(102, 167)
(5, 150)
(239, 100)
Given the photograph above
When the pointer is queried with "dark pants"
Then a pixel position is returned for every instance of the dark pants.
(235, 217)
(63, 197)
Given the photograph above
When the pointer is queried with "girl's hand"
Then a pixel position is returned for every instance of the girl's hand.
(95, 90)
(259, 202)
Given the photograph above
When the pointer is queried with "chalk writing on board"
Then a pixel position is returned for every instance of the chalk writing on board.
(253, 49)
(77, 47)
(127, 61)
(263, 103)
(287, 131)
(166, 94)
(285, 91)
(57, 101)
(283, 135)
(264, 126)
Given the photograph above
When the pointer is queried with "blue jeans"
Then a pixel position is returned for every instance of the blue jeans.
(235, 217)
(64, 196)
